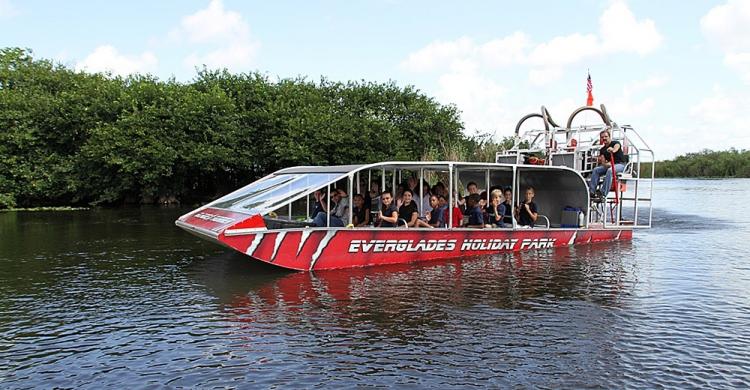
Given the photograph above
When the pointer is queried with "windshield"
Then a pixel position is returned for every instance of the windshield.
(273, 192)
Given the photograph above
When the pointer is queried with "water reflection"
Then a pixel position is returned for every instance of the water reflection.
(420, 292)
(498, 320)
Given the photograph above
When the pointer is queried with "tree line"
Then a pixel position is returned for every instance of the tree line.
(706, 163)
(72, 138)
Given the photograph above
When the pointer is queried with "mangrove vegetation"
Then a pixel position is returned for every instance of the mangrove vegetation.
(72, 138)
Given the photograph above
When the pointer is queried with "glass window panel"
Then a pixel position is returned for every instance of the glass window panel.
(274, 192)
(252, 189)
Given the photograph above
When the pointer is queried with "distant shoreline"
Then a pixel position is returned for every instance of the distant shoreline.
(725, 164)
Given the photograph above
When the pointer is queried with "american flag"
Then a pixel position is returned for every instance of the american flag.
(589, 88)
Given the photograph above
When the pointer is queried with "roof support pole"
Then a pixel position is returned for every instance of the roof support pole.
(351, 197)
(382, 181)
(328, 200)
(393, 188)
(515, 200)
(421, 191)
(487, 181)
(450, 196)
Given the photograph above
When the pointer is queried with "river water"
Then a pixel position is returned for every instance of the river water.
(123, 298)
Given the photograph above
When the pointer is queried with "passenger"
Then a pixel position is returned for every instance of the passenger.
(388, 213)
(471, 189)
(526, 213)
(339, 215)
(436, 217)
(439, 189)
(424, 201)
(400, 194)
(610, 148)
(495, 210)
(483, 199)
(361, 212)
(411, 184)
(374, 195)
(476, 218)
(319, 196)
(458, 216)
(508, 207)
(409, 211)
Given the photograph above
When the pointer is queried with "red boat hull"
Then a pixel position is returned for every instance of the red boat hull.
(322, 249)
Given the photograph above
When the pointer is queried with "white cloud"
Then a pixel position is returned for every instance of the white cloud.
(223, 36)
(543, 76)
(635, 100)
(467, 70)
(619, 32)
(717, 122)
(649, 83)
(740, 62)
(7, 9)
(728, 26)
(482, 100)
(564, 50)
(238, 55)
(437, 53)
(505, 51)
(213, 24)
(106, 58)
(718, 108)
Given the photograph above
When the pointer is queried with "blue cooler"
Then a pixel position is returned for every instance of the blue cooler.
(571, 217)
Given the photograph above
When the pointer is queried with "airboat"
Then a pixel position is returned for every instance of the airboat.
(270, 219)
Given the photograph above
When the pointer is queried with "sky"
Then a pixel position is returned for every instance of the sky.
(677, 71)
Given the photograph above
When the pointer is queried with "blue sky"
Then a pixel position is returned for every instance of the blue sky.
(677, 71)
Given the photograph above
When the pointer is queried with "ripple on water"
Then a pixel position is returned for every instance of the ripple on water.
(155, 307)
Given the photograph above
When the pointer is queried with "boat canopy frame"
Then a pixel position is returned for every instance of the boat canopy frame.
(553, 184)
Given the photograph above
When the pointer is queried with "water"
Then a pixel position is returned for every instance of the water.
(122, 298)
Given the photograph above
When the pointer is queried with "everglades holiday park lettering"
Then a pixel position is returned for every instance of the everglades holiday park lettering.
(480, 244)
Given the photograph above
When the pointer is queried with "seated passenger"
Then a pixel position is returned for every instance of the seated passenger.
(436, 217)
(388, 213)
(409, 211)
(320, 196)
(471, 189)
(374, 195)
(423, 202)
(411, 183)
(400, 194)
(526, 213)
(483, 199)
(476, 218)
(439, 189)
(339, 215)
(361, 212)
(495, 210)
(612, 150)
(458, 216)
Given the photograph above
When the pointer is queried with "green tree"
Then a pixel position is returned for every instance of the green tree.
(69, 137)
